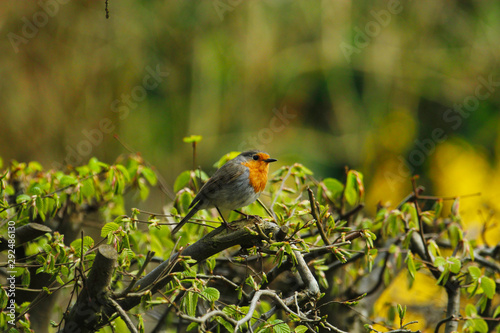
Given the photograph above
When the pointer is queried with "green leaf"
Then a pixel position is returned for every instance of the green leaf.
(438, 207)
(455, 265)
(334, 188)
(455, 207)
(87, 188)
(495, 314)
(26, 278)
(470, 310)
(225, 323)
(67, 180)
(182, 181)
(35, 189)
(192, 138)
(124, 172)
(109, 228)
(488, 286)
(22, 198)
(3, 298)
(88, 242)
(149, 175)
(409, 209)
(94, 165)
(190, 303)
(455, 234)
(225, 158)
(301, 329)
(439, 261)
(479, 325)
(411, 265)
(354, 188)
(474, 272)
(279, 326)
(143, 191)
(192, 326)
(211, 294)
(401, 312)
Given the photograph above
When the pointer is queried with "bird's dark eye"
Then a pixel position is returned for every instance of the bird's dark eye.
(255, 157)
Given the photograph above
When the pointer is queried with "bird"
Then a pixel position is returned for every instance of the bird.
(236, 184)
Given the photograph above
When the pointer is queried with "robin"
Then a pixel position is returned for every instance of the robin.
(238, 183)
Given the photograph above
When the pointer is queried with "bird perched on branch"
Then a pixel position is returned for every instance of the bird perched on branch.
(236, 184)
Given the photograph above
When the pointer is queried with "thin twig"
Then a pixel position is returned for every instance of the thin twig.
(149, 256)
(420, 220)
(441, 322)
(314, 213)
(351, 212)
(123, 315)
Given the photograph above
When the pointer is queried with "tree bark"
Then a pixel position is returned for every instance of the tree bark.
(86, 312)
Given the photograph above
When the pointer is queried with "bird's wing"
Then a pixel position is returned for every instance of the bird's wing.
(223, 176)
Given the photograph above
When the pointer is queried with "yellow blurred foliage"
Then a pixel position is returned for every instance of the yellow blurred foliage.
(457, 168)
(423, 296)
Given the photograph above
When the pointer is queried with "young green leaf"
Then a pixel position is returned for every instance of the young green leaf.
(489, 286)
(211, 294)
(474, 272)
(109, 228)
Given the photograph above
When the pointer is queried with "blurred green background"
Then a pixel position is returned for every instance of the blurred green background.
(385, 87)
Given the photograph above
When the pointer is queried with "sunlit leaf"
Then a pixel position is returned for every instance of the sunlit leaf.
(109, 228)
(182, 180)
(192, 138)
(474, 272)
(488, 286)
(211, 294)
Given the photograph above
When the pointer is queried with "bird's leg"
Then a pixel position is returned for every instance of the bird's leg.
(241, 213)
(247, 216)
(227, 225)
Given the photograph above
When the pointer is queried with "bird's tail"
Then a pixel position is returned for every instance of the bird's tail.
(189, 215)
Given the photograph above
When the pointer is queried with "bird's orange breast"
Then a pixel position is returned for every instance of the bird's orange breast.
(258, 174)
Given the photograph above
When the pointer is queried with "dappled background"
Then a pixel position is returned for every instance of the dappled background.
(390, 89)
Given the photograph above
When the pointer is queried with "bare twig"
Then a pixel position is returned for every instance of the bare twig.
(123, 315)
(441, 322)
(306, 275)
(207, 316)
(315, 215)
(149, 256)
(253, 304)
(420, 221)
(350, 213)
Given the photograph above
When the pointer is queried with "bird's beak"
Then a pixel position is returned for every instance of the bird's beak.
(269, 160)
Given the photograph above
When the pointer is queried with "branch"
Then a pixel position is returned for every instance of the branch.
(315, 215)
(453, 308)
(441, 322)
(350, 213)
(243, 233)
(306, 275)
(420, 220)
(123, 315)
(253, 304)
(25, 234)
(84, 314)
(203, 319)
